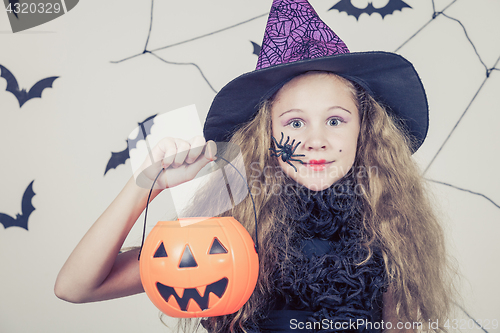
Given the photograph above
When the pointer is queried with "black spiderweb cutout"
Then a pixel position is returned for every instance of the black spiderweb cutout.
(152, 52)
(488, 71)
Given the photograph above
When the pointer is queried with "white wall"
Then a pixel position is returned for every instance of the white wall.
(63, 141)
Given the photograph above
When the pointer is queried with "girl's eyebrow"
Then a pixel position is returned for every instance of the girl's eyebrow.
(339, 107)
(329, 109)
(298, 110)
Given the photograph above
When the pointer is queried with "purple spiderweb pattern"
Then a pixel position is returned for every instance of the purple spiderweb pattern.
(295, 32)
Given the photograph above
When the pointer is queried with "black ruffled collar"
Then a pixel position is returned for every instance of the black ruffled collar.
(320, 271)
(317, 210)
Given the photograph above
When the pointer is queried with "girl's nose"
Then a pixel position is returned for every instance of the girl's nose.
(315, 140)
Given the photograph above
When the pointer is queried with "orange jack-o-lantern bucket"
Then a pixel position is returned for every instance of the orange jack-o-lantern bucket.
(207, 268)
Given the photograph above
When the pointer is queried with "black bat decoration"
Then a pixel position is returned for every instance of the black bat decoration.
(350, 9)
(22, 95)
(121, 157)
(256, 48)
(27, 208)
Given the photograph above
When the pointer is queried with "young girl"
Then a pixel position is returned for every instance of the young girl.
(348, 239)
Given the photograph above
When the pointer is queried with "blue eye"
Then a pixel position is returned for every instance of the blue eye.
(334, 121)
(295, 123)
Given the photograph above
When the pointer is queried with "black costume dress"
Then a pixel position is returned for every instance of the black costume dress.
(320, 284)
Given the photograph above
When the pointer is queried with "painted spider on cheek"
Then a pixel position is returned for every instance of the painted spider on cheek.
(286, 150)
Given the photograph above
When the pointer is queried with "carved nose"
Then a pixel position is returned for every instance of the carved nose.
(187, 259)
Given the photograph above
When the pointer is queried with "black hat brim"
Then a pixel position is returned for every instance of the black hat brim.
(388, 77)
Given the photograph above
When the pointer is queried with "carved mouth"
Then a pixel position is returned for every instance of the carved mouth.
(204, 301)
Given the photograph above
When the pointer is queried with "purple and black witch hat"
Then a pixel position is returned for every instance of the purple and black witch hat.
(296, 41)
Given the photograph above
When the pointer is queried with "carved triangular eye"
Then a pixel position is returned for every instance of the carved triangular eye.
(217, 247)
(160, 252)
(187, 259)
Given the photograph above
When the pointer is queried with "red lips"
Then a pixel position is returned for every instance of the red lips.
(316, 165)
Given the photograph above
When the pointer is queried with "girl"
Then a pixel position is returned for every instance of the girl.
(348, 239)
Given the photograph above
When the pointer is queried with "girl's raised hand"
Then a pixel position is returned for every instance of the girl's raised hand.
(182, 160)
(95, 270)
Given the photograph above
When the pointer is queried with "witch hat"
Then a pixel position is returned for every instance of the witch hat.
(296, 41)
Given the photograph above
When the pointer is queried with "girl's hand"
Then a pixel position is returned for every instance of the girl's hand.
(182, 160)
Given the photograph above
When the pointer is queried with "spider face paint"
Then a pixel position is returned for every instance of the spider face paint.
(318, 121)
(286, 150)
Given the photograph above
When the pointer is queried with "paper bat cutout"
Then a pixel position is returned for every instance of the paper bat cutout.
(256, 48)
(27, 208)
(350, 9)
(122, 156)
(22, 95)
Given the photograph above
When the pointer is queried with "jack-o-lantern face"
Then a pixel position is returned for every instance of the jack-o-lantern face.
(205, 269)
(199, 294)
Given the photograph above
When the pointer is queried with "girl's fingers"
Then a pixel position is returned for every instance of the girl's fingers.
(197, 145)
(209, 155)
(186, 172)
(182, 150)
(167, 150)
(177, 152)
(182, 161)
(211, 150)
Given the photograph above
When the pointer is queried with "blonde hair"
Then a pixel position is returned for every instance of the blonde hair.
(397, 215)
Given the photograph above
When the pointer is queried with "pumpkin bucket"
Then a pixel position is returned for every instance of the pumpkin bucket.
(205, 269)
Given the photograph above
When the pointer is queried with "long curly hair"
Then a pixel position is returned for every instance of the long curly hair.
(397, 218)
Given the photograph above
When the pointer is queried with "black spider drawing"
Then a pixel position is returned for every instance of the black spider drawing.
(286, 150)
